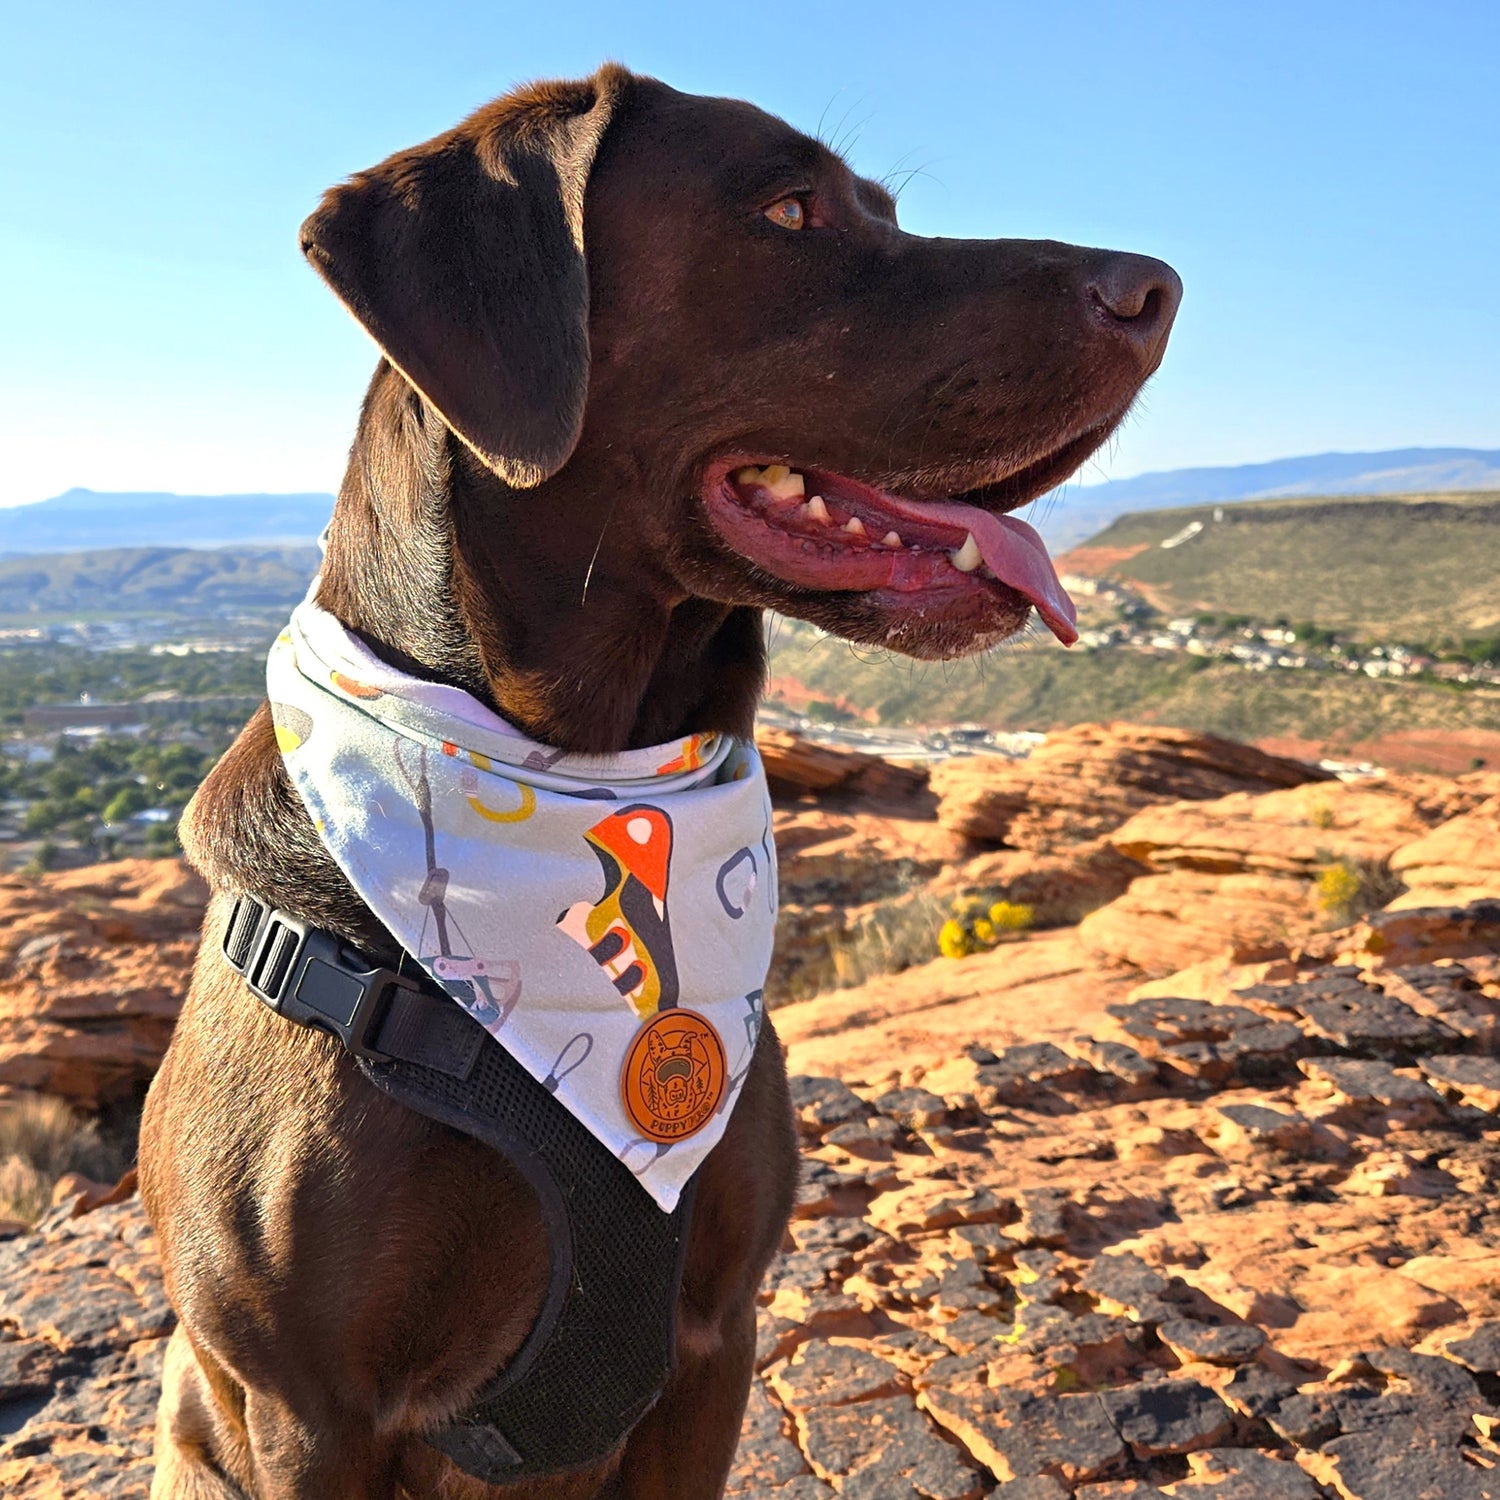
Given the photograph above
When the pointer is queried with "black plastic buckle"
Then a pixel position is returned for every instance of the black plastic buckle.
(308, 976)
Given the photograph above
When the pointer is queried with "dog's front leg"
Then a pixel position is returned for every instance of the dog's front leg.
(684, 1446)
(333, 1456)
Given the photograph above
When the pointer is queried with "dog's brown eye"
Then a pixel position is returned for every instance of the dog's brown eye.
(788, 213)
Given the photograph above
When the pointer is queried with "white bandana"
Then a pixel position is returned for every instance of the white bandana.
(608, 919)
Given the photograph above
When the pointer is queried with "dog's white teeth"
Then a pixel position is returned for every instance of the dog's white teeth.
(854, 526)
(890, 539)
(968, 557)
(776, 479)
(815, 509)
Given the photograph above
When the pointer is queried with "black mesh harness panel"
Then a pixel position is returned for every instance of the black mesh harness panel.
(600, 1351)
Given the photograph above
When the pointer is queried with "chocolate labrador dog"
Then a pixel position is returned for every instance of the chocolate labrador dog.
(652, 364)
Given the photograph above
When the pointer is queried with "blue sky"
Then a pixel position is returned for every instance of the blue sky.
(1323, 174)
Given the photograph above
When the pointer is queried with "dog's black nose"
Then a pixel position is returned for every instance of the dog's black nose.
(1138, 296)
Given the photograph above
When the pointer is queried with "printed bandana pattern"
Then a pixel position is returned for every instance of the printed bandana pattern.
(607, 919)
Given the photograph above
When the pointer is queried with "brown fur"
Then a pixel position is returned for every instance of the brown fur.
(580, 306)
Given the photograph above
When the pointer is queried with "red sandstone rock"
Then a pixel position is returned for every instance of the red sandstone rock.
(94, 964)
(1061, 888)
(1171, 921)
(1458, 862)
(1087, 780)
(1298, 831)
(795, 766)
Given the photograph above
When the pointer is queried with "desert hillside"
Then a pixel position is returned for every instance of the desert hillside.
(1084, 510)
(1147, 1091)
(1388, 567)
(196, 583)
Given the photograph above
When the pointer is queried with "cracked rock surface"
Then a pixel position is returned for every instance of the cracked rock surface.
(1237, 1248)
(1150, 1262)
(1193, 1200)
(83, 1325)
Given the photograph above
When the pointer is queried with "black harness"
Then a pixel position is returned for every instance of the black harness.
(600, 1351)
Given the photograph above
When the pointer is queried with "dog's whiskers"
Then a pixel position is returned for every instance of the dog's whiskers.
(598, 547)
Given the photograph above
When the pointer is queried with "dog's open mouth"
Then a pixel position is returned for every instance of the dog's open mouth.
(825, 531)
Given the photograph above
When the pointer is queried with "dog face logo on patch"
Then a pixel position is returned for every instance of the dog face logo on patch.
(627, 931)
(674, 1076)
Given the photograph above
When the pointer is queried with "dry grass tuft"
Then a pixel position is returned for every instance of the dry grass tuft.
(1349, 888)
(890, 937)
(42, 1139)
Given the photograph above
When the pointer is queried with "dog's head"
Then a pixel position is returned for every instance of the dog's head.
(705, 362)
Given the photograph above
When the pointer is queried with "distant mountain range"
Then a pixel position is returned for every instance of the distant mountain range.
(125, 582)
(84, 519)
(1074, 514)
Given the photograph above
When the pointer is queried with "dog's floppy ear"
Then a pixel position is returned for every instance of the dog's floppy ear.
(463, 259)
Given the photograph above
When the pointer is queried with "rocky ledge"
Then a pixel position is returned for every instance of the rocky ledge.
(1244, 1247)
(93, 967)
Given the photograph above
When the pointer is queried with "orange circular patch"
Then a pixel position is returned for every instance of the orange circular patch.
(674, 1075)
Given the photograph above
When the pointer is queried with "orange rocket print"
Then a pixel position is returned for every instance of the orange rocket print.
(627, 930)
(691, 756)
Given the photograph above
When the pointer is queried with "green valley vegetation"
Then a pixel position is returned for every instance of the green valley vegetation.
(101, 797)
(44, 673)
(124, 674)
(1338, 622)
(101, 749)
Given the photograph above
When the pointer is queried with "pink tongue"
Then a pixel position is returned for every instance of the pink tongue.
(1015, 554)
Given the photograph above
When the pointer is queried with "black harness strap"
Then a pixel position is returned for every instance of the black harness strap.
(600, 1351)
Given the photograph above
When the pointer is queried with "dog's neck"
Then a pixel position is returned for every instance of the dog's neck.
(526, 599)
(450, 575)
